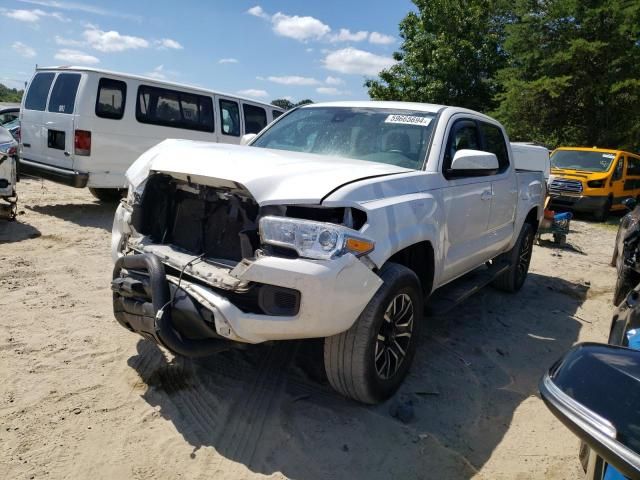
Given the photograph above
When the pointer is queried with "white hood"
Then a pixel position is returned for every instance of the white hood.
(271, 176)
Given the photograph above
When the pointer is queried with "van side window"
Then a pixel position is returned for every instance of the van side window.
(172, 108)
(39, 91)
(255, 118)
(63, 94)
(617, 173)
(276, 113)
(633, 166)
(111, 98)
(494, 143)
(463, 135)
(230, 118)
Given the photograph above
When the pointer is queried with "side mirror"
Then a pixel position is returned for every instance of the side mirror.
(246, 139)
(595, 391)
(474, 162)
(630, 203)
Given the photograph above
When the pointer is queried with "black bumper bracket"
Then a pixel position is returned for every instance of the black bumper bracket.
(154, 319)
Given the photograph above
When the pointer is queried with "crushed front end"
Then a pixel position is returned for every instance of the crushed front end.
(195, 270)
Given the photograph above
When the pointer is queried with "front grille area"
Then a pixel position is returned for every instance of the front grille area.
(564, 185)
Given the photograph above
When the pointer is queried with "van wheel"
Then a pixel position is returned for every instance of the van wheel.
(602, 214)
(108, 195)
(369, 361)
(519, 258)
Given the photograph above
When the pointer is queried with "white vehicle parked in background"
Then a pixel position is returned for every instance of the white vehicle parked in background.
(339, 221)
(8, 175)
(84, 127)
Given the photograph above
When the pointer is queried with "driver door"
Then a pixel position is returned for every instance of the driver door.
(467, 205)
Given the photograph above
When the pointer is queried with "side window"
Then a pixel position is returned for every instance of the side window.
(230, 118)
(633, 166)
(463, 135)
(617, 173)
(8, 117)
(276, 113)
(172, 108)
(255, 118)
(494, 143)
(111, 98)
(63, 94)
(39, 91)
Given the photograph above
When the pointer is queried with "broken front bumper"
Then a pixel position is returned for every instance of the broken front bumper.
(332, 294)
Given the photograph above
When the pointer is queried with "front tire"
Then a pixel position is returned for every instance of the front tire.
(107, 195)
(602, 213)
(519, 258)
(369, 361)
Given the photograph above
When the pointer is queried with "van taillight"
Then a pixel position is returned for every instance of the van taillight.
(82, 144)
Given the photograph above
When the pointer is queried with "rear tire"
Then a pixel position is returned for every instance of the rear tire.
(602, 213)
(519, 258)
(108, 195)
(368, 362)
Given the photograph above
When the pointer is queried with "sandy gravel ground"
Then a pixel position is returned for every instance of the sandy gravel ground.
(80, 397)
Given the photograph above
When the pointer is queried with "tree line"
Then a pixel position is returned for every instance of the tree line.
(10, 95)
(559, 72)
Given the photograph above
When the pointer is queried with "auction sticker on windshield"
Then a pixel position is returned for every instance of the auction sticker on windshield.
(408, 120)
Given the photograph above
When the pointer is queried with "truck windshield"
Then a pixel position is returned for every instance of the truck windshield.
(579, 160)
(378, 135)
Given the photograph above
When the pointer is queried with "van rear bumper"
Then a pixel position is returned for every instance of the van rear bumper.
(65, 176)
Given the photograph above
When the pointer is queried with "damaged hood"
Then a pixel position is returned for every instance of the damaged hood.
(271, 176)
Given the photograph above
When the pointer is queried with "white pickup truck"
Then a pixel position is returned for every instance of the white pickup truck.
(338, 221)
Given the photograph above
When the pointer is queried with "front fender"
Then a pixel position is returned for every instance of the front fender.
(398, 222)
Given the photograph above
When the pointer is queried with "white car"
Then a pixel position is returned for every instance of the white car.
(338, 221)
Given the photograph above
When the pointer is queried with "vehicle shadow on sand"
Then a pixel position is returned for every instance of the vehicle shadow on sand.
(96, 215)
(269, 408)
(16, 231)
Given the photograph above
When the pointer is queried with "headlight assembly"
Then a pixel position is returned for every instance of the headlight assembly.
(316, 240)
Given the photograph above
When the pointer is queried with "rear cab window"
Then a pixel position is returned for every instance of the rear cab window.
(111, 98)
(63, 94)
(255, 118)
(173, 108)
(276, 113)
(39, 91)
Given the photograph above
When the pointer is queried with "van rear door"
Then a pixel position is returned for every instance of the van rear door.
(32, 116)
(58, 133)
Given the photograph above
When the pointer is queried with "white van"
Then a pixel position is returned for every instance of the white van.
(84, 127)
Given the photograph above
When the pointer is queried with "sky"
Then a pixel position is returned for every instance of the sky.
(322, 50)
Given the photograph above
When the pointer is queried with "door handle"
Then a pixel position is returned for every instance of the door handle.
(486, 195)
(67, 154)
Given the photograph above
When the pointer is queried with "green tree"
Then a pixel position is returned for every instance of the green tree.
(11, 95)
(283, 103)
(573, 76)
(288, 104)
(450, 53)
